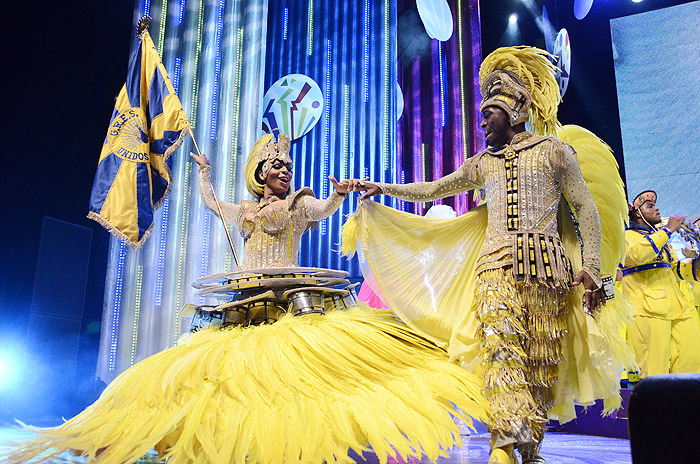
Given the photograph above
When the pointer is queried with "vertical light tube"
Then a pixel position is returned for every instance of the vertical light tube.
(145, 289)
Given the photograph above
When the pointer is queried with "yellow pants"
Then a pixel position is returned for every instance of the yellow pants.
(656, 341)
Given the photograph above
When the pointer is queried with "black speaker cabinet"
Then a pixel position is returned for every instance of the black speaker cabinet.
(664, 419)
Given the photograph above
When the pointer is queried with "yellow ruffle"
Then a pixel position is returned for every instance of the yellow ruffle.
(304, 389)
(424, 267)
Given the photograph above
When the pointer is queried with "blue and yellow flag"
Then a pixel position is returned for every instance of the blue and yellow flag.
(147, 126)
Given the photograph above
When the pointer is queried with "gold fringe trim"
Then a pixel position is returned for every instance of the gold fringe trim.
(513, 410)
(522, 327)
(117, 233)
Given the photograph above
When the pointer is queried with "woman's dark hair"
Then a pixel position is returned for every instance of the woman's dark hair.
(258, 172)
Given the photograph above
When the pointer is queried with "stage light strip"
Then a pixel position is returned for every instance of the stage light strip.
(195, 81)
(117, 307)
(365, 46)
(164, 215)
(386, 91)
(137, 313)
(228, 260)
(346, 133)
(186, 184)
(182, 12)
(443, 116)
(176, 74)
(184, 232)
(161, 252)
(310, 30)
(327, 126)
(236, 117)
(206, 240)
(147, 8)
(217, 71)
(161, 32)
(424, 165)
(403, 205)
(285, 23)
(460, 33)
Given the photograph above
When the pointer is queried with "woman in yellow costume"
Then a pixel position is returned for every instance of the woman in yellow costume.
(303, 389)
(504, 284)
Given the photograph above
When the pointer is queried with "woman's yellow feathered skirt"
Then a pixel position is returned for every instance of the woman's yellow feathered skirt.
(304, 389)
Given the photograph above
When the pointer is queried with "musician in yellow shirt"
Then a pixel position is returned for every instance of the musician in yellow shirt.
(664, 326)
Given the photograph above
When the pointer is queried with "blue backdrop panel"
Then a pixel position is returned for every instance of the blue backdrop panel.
(439, 81)
(349, 50)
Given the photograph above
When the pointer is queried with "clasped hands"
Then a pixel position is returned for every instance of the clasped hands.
(356, 185)
(370, 189)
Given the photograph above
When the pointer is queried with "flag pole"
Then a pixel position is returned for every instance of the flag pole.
(218, 205)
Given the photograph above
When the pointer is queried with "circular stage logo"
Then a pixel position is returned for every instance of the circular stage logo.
(293, 104)
(128, 136)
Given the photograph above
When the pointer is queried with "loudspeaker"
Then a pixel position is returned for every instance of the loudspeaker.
(61, 269)
(55, 316)
(664, 419)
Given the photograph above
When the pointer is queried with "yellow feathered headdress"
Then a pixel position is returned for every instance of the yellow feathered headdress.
(265, 151)
(521, 81)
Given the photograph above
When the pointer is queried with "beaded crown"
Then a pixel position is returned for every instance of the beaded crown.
(261, 158)
(505, 90)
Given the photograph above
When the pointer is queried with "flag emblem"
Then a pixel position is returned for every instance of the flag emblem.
(128, 136)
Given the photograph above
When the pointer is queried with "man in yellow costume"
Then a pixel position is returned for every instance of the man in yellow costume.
(523, 278)
(665, 324)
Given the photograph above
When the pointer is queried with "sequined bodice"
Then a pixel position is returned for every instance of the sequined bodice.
(530, 201)
(272, 236)
(271, 219)
(271, 230)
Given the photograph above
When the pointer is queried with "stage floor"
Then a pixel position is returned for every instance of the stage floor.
(558, 448)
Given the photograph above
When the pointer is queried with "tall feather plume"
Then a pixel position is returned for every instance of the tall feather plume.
(533, 66)
(601, 172)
